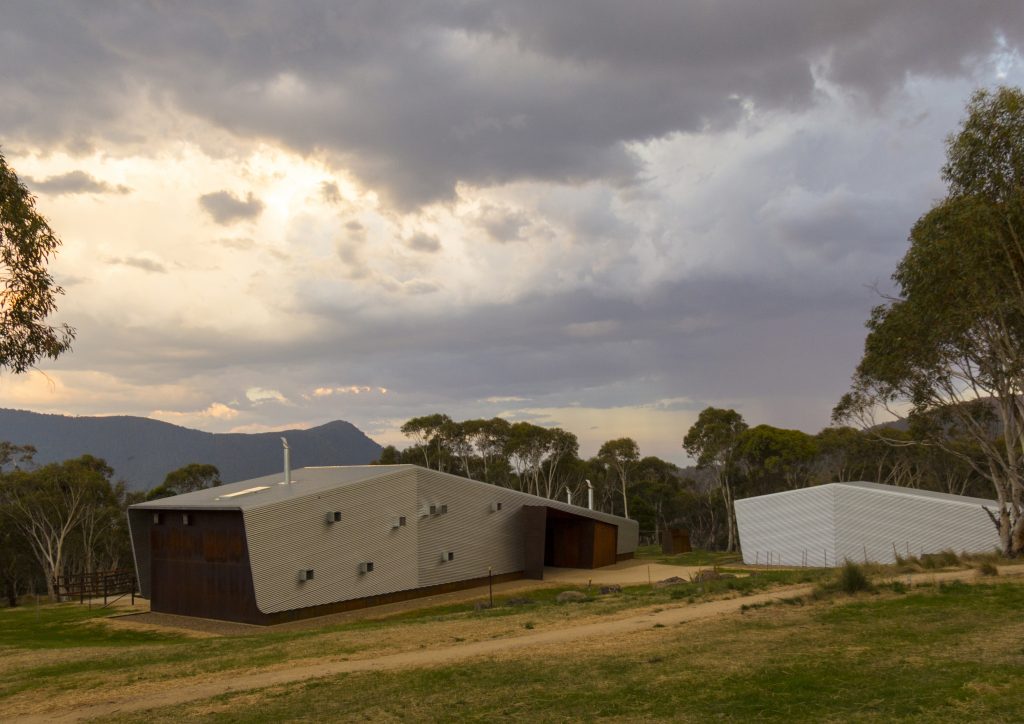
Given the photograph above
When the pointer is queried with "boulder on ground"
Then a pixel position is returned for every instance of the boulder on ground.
(569, 596)
(670, 581)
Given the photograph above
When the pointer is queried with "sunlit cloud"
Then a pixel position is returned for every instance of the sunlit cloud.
(260, 395)
(348, 390)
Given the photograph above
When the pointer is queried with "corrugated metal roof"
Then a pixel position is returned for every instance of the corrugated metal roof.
(271, 489)
(248, 495)
(890, 489)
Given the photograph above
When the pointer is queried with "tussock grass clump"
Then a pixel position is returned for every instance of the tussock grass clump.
(988, 569)
(942, 559)
(853, 579)
(994, 557)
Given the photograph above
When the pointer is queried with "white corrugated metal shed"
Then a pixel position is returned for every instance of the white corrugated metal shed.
(860, 521)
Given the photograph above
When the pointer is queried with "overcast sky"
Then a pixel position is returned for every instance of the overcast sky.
(599, 215)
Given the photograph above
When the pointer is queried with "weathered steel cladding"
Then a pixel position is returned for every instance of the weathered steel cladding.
(828, 524)
(201, 568)
(138, 528)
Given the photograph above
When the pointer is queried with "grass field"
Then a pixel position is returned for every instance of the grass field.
(934, 653)
(948, 653)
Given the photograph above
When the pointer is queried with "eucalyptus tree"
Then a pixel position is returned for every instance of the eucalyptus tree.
(428, 432)
(489, 439)
(621, 456)
(186, 479)
(712, 441)
(777, 459)
(28, 293)
(46, 508)
(947, 352)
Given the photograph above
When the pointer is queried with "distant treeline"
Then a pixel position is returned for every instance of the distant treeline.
(733, 461)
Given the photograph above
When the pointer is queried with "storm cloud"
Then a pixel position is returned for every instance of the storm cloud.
(225, 208)
(75, 182)
(549, 211)
(417, 97)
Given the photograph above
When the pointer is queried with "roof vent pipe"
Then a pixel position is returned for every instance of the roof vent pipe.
(287, 462)
(568, 496)
(590, 494)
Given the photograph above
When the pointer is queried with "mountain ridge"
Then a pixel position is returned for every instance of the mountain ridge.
(143, 450)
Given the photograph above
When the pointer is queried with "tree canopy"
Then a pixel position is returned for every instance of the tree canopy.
(948, 351)
(194, 476)
(28, 293)
(712, 441)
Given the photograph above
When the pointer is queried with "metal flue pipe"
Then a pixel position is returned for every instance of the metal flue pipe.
(287, 462)
(590, 494)
(568, 496)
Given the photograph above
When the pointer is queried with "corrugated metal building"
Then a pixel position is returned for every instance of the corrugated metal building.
(337, 538)
(829, 524)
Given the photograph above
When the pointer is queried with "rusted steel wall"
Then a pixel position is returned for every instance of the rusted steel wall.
(605, 544)
(534, 521)
(201, 567)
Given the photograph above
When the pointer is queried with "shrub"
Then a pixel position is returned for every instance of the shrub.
(942, 559)
(852, 579)
(988, 569)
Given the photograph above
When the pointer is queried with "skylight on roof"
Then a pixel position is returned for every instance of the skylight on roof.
(235, 494)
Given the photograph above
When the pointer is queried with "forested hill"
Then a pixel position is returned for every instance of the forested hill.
(142, 451)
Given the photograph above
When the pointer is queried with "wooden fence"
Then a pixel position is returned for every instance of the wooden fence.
(116, 583)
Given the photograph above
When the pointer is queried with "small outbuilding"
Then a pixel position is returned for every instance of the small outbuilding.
(322, 540)
(828, 524)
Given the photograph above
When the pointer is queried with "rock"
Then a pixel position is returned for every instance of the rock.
(701, 576)
(670, 581)
(570, 596)
(612, 588)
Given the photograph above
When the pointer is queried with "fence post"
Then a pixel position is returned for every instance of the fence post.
(104, 591)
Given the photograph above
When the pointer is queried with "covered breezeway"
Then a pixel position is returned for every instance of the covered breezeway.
(564, 540)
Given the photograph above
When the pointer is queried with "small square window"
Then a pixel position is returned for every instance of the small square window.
(451, 555)
(433, 510)
(444, 509)
(186, 519)
(158, 518)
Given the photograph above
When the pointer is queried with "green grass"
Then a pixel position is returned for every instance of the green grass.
(946, 653)
(66, 626)
(89, 654)
(958, 640)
